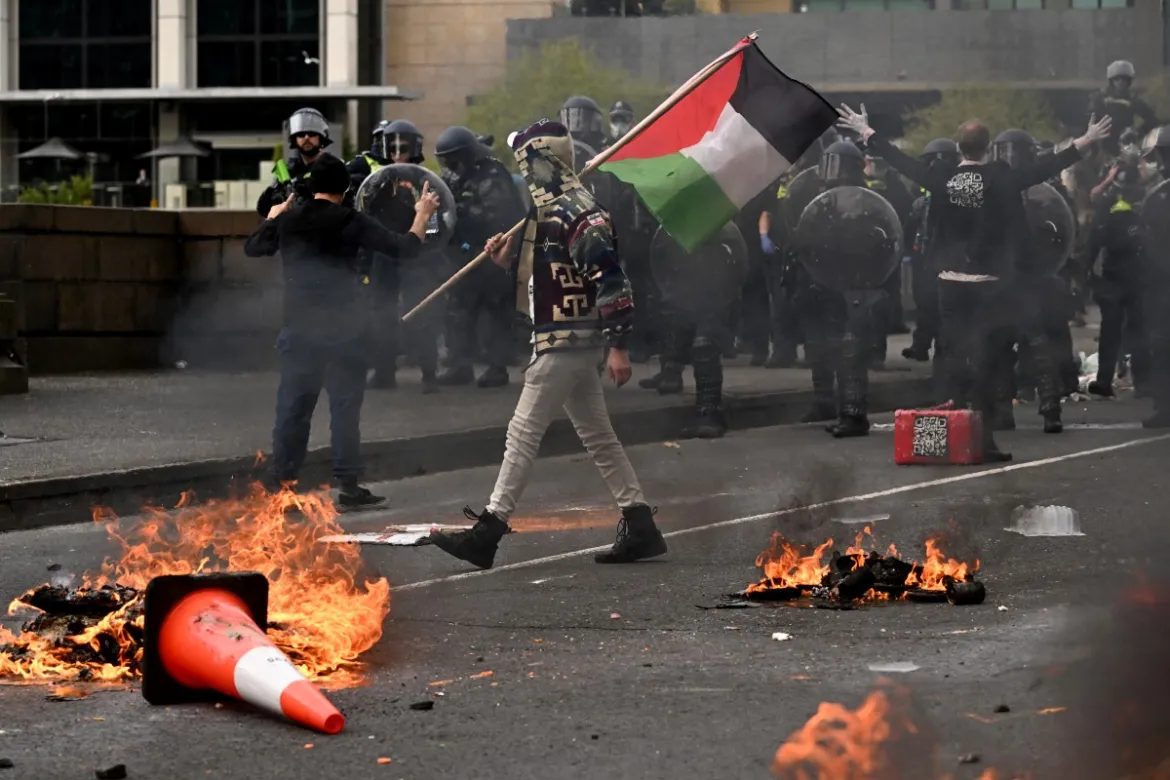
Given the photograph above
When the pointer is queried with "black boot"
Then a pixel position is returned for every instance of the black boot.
(494, 376)
(670, 381)
(1103, 390)
(354, 498)
(456, 375)
(709, 424)
(478, 544)
(759, 359)
(669, 375)
(1052, 423)
(919, 354)
(781, 359)
(850, 427)
(430, 384)
(638, 537)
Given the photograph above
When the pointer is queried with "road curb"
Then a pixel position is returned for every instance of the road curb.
(67, 500)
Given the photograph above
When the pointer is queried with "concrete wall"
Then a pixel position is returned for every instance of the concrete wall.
(119, 289)
(861, 51)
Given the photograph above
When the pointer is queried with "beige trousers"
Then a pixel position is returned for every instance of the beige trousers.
(570, 381)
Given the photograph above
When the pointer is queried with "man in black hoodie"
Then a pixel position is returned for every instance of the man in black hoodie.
(323, 341)
(976, 256)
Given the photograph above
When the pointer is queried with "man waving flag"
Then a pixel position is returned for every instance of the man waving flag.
(733, 134)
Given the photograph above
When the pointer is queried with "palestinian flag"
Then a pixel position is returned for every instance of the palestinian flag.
(701, 162)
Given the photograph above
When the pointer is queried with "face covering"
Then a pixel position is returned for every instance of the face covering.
(618, 129)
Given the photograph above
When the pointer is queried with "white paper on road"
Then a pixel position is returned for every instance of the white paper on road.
(395, 536)
(1045, 521)
(780, 636)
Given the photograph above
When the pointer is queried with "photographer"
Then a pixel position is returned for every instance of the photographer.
(323, 343)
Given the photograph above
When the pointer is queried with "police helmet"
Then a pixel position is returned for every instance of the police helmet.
(842, 161)
(1156, 147)
(1014, 147)
(458, 145)
(398, 134)
(1120, 69)
(621, 110)
(308, 120)
(941, 150)
(582, 116)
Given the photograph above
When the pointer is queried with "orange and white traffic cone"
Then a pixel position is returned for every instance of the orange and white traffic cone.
(203, 637)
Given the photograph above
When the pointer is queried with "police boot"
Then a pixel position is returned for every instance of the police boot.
(850, 426)
(430, 383)
(456, 375)
(709, 423)
(638, 537)
(759, 358)
(781, 358)
(1101, 389)
(991, 451)
(670, 380)
(494, 376)
(919, 354)
(1052, 422)
(478, 544)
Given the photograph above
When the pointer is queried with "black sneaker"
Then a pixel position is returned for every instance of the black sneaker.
(477, 545)
(638, 537)
(355, 499)
(916, 354)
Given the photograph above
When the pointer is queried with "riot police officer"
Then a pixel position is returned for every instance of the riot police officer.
(918, 231)
(621, 119)
(839, 347)
(586, 123)
(487, 203)
(1118, 288)
(1044, 309)
(308, 135)
(1117, 100)
(367, 162)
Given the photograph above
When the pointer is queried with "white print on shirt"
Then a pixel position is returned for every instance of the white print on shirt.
(966, 189)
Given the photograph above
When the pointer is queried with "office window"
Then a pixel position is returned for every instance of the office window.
(1095, 4)
(114, 132)
(815, 6)
(76, 44)
(269, 43)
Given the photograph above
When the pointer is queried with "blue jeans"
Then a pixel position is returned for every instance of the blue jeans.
(308, 362)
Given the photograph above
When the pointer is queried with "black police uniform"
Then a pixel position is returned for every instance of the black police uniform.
(1118, 291)
(487, 202)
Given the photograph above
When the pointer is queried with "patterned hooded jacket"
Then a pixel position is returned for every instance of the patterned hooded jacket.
(569, 280)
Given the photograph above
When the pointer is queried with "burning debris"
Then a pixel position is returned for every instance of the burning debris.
(322, 614)
(791, 572)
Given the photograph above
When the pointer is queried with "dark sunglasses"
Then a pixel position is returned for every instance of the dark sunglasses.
(305, 135)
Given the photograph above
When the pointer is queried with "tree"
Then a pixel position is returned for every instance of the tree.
(999, 109)
(536, 84)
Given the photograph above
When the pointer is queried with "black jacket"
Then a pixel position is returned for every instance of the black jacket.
(326, 273)
(287, 177)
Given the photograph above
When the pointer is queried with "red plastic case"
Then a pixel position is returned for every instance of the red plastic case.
(938, 437)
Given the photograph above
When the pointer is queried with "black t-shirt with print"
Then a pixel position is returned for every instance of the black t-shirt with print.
(978, 206)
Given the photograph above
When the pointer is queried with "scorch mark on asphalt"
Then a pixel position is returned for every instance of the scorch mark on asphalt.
(1032, 464)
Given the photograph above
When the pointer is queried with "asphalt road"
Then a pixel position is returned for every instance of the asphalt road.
(613, 672)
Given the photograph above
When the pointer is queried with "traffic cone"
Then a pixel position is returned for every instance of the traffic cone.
(203, 640)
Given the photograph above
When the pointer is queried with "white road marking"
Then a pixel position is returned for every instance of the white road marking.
(965, 477)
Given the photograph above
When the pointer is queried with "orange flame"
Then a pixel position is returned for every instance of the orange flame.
(937, 567)
(786, 566)
(837, 743)
(321, 612)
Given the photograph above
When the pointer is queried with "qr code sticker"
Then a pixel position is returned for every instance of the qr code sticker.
(930, 437)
